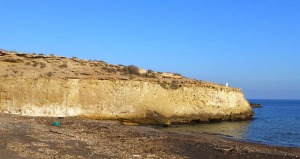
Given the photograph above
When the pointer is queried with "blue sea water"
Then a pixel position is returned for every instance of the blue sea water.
(276, 123)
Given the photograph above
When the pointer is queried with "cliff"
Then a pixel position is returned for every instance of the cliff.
(39, 85)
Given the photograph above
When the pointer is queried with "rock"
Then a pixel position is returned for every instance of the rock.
(255, 105)
(142, 71)
(167, 75)
(170, 75)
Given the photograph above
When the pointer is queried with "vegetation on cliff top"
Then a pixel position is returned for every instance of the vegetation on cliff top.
(26, 66)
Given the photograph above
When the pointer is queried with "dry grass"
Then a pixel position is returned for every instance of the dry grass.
(96, 69)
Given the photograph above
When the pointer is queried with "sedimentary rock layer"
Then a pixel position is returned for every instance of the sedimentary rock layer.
(127, 100)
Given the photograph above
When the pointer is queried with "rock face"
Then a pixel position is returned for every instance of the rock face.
(135, 101)
(140, 100)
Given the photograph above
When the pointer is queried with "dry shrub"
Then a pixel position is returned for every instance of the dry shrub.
(131, 69)
(164, 85)
(42, 65)
(13, 60)
(110, 69)
(150, 75)
(49, 74)
(34, 64)
(150, 71)
(63, 66)
(175, 85)
(96, 64)
(83, 63)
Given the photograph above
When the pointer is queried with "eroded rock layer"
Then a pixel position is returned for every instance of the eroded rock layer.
(38, 85)
(136, 101)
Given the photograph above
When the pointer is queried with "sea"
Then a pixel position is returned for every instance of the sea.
(277, 123)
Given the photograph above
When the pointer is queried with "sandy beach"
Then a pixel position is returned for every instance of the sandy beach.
(36, 137)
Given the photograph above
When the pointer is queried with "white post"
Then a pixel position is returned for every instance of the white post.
(226, 84)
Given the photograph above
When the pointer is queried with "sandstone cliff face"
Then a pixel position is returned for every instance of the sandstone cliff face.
(134, 101)
(39, 85)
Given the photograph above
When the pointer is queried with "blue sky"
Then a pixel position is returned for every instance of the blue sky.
(251, 44)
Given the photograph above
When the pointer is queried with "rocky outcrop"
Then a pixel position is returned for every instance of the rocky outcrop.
(170, 75)
(255, 105)
(142, 71)
(134, 101)
(53, 86)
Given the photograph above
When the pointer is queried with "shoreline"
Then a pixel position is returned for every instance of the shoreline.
(229, 137)
(35, 137)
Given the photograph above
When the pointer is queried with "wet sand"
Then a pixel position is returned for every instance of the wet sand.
(35, 137)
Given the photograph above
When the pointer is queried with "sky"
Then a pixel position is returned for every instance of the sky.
(250, 44)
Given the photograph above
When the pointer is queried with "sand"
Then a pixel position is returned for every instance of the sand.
(36, 137)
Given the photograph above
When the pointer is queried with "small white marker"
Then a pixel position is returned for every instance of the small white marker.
(226, 84)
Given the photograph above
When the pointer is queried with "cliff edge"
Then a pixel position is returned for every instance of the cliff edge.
(40, 85)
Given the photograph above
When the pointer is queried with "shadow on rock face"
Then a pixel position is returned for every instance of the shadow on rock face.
(156, 118)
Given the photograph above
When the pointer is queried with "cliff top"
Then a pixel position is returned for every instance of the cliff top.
(14, 65)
